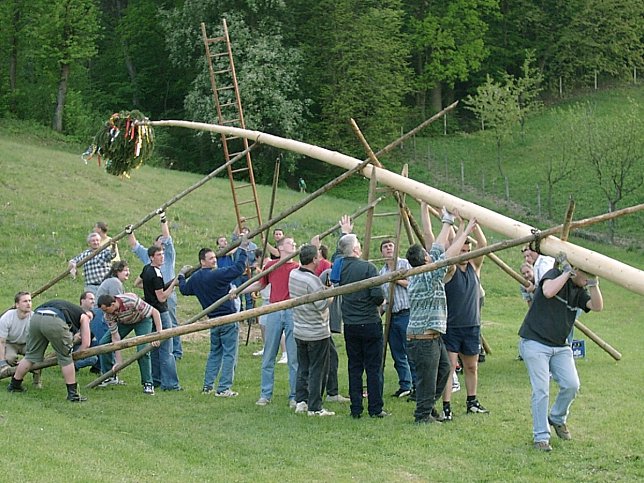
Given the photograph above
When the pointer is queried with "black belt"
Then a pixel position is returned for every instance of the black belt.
(94, 284)
(403, 311)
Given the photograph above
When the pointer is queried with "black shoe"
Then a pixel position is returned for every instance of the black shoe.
(475, 407)
(94, 370)
(439, 417)
(447, 414)
(381, 414)
(412, 396)
(12, 388)
(356, 415)
(481, 358)
(75, 397)
(401, 393)
(427, 420)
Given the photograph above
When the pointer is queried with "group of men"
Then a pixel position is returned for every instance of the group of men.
(435, 320)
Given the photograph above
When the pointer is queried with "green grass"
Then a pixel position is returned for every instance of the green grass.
(49, 199)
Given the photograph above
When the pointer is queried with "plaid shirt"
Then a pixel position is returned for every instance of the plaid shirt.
(132, 310)
(97, 268)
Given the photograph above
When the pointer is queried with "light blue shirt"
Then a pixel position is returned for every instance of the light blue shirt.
(167, 269)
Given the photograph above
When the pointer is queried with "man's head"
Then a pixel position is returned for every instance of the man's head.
(101, 228)
(278, 234)
(94, 240)
(87, 300)
(417, 255)
(581, 277)
(22, 302)
(222, 242)
(207, 258)
(107, 303)
(309, 257)
(529, 255)
(527, 271)
(286, 246)
(466, 248)
(349, 246)
(156, 255)
(387, 248)
(245, 231)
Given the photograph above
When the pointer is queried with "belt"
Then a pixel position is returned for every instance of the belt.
(429, 336)
(403, 311)
(94, 284)
(48, 313)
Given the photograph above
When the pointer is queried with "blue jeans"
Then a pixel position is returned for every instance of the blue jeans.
(397, 344)
(276, 323)
(140, 328)
(224, 341)
(541, 361)
(177, 350)
(164, 366)
(432, 373)
(312, 367)
(88, 361)
(364, 353)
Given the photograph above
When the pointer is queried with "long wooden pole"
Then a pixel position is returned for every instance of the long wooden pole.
(606, 267)
(194, 324)
(135, 357)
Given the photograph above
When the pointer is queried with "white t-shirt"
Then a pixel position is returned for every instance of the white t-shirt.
(541, 266)
(14, 329)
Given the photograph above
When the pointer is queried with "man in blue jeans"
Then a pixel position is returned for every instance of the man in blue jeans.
(545, 351)
(210, 284)
(399, 319)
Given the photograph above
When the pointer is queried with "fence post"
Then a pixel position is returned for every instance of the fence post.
(560, 86)
(595, 80)
(507, 188)
(462, 174)
(446, 172)
(635, 75)
(483, 181)
(445, 125)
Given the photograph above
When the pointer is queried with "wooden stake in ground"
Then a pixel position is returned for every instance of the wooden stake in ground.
(112, 372)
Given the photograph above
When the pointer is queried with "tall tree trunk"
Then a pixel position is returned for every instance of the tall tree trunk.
(129, 65)
(437, 98)
(57, 124)
(13, 59)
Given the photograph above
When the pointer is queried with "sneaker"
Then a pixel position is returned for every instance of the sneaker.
(381, 414)
(447, 414)
(427, 420)
(542, 446)
(226, 393)
(321, 412)
(259, 353)
(439, 417)
(207, 390)
(338, 398)
(176, 388)
(292, 404)
(475, 407)
(412, 396)
(283, 359)
(456, 386)
(148, 389)
(401, 393)
(561, 430)
(262, 401)
(356, 415)
(112, 381)
(302, 407)
(75, 397)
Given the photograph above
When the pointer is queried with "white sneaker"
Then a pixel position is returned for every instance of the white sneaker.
(259, 353)
(301, 407)
(292, 404)
(456, 386)
(283, 359)
(321, 412)
(112, 381)
(338, 398)
(226, 393)
(262, 401)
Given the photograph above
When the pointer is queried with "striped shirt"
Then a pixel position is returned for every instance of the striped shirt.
(428, 304)
(401, 298)
(131, 310)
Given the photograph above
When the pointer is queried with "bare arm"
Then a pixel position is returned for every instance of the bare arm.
(481, 242)
(596, 302)
(428, 234)
(3, 342)
(552, 286)
(85, 333)
(138, 283)
(164, 294)
(254, 287)
(156, 318)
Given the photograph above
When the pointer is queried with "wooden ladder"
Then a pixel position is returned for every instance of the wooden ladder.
(225, 92)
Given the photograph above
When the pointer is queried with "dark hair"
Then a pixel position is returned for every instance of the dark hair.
(116, 267)
(307, 254)
(101, 225)
(202, 253)
(19, 295)
(84, 294)
(278, 229)
(324, 251)
(416, 255)
(259, 253)
(385, 241)
(153, 250)
(105, 300)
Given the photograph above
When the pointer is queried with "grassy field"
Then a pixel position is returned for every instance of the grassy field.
(49, 200)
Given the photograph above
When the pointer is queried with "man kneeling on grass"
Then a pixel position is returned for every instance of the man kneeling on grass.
(544, 349)
(125, 313)
(312, 335)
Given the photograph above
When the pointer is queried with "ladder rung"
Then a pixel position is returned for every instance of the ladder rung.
(246, 202)
(231, 138)
(228, 104)
(377, 260)
(251, 217)
(232, 155)
(391, 213)
(223, 71)
(216, 55)
(382, 237)
(225, 88)
(229, 121)
(213, 40)
(243, 186)
(239, 170)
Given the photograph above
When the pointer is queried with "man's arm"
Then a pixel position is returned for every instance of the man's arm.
(428, 234)
(3, 343)
(163, 294)
(138, 282)
(85, 332)
(596, 302)
(481, 242)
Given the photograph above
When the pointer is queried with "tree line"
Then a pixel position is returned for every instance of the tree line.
(304, 66)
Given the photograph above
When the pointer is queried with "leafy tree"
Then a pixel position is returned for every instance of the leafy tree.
(447, 42)
(526, 89)
(612, 148)
(561, 168)
(61, 34)
(495, 105)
